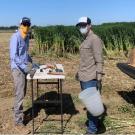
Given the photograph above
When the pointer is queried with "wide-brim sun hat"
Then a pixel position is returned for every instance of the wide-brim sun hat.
(83, 20)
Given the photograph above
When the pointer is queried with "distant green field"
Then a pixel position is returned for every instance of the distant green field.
(66, 39)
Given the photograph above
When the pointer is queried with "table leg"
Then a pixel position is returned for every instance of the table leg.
(37, 89)
(32, 93)
(58, 89)
(61, 105)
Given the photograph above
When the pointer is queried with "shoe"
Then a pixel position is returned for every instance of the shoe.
(20, 128)
(26, 119)
(101, 128)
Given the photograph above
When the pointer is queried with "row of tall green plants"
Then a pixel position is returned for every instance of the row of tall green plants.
(60, 40)
(117, 37)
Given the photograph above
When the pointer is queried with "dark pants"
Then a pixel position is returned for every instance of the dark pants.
(92, 120)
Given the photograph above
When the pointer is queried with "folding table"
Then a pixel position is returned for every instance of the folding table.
(57, 79)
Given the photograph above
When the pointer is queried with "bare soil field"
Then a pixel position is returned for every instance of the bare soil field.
(118, 96)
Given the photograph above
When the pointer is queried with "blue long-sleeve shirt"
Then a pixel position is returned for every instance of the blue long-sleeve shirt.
(19, 56)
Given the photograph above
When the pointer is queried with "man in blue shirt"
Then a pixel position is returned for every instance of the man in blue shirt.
(19, 58)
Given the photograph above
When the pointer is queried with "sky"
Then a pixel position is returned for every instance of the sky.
(66, 12)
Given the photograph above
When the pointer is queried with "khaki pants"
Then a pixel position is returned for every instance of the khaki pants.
(19, 92)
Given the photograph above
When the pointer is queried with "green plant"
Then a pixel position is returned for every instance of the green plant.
(60, 39)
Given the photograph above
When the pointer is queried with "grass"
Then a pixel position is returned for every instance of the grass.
(27, 103)
(128, 108)
(116, 126)
(75, 99)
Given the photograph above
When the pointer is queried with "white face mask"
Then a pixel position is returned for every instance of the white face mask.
(84, 30)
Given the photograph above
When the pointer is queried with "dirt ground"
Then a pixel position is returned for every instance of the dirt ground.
(118, 96)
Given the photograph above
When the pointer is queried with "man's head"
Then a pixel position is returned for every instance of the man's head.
(25, 24)
(25, 21)
(84, 25)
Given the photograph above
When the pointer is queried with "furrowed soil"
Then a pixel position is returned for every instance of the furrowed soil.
(117, 93)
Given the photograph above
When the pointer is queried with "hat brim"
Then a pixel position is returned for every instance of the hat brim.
(25, 22)
(81, 23)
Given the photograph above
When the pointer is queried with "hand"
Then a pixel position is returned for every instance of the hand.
(99, 85)
(76, 77)
(26, 70)
(32, 72)
(35, 66)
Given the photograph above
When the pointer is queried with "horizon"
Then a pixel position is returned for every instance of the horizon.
(70, 25)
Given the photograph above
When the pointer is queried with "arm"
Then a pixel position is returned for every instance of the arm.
(98, 56)
(29, 57)
(14, 53)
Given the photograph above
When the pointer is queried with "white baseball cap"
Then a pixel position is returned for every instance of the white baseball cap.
(83, 20)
